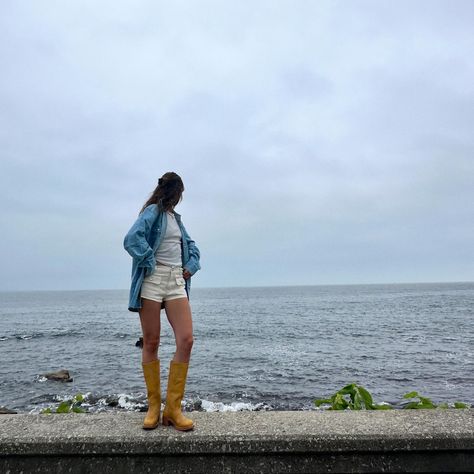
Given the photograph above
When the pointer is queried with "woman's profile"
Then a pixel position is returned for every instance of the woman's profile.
(164, 259)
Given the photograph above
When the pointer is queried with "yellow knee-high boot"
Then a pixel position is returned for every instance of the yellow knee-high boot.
(151, 371)
(176, 382)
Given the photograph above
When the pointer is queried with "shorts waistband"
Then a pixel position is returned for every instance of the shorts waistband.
(160, 264)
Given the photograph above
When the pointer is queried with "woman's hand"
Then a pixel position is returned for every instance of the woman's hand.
(186, 274)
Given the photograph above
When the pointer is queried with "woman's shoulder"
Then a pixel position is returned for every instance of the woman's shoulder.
(150, 211)
(151, 207)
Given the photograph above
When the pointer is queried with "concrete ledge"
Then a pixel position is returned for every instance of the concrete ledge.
(251, 442)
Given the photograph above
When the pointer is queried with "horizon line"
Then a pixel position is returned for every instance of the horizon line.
(256, 286)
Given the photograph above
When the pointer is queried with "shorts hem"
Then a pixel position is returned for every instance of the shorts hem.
(175, 298)
(152, 299)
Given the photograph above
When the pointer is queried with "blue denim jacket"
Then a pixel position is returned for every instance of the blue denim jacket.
(142, 241)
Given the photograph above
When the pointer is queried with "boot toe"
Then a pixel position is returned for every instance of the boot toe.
(150, 425)
(178, 421)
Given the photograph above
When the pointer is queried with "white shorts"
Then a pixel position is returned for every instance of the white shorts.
(164, 284)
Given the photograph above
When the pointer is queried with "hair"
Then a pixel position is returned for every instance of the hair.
(167, 194)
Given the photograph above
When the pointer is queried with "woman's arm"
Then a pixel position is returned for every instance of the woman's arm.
(135, 242)
(192, 265)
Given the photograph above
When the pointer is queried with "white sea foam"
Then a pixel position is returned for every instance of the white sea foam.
(126, 401)
(207, 405)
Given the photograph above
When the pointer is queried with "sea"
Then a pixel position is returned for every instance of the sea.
(259, 348)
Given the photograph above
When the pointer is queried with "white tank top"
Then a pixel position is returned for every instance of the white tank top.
(169, 251)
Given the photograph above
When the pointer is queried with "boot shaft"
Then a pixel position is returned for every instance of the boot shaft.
(177, 381)
(176, 384)
(151, 373)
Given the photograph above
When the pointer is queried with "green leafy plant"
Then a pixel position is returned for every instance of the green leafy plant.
(68, 406)
(359, 398)
(424, 402)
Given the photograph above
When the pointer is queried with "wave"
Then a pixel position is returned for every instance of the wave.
(137, 402)
(62, 333)
(209, 406)
(36, 335)
(127, 402)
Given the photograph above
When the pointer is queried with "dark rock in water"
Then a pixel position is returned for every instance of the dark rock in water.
(7, 411)
(112, 401)
(195, 405)
(139, 343)
(93, 398)
(60, 375)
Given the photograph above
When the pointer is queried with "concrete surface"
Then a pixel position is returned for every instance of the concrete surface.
(273, 441)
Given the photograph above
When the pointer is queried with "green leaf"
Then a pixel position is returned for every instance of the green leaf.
(425, 400)
(77, 410)
(410, 395)
(426, 405)
(318, 402)
(348, 389)
(79, 397)
(411, 405)
(382, 407)
(367, 397)
(357, 401)
(339, 402)
(460, 405)
(64, 407)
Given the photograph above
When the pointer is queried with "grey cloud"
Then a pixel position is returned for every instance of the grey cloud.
(332, 136)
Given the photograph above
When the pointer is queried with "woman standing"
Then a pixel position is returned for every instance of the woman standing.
(164, 259)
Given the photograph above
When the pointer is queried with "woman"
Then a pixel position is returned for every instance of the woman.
(164, 259)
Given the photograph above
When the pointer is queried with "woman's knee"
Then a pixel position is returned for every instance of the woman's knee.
(151, 344)
(185, 343)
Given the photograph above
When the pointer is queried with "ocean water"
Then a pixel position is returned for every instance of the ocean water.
(274, 348)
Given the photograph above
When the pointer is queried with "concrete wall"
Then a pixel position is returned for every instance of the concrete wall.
(242, 442)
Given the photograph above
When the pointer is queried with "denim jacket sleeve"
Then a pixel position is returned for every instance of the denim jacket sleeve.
(192, 265)
(135, 242)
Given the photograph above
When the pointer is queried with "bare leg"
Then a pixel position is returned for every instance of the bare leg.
(151, 326)
(178, 312)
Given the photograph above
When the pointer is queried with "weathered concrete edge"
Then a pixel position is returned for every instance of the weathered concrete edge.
(233, 446)
(239, 432)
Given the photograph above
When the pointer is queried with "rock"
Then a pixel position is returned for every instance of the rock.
(112, 401)
(60, 375)
(196, 405)
(139, 343)
(6, 411)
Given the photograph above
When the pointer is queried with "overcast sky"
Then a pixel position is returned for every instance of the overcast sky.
(319, 142)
